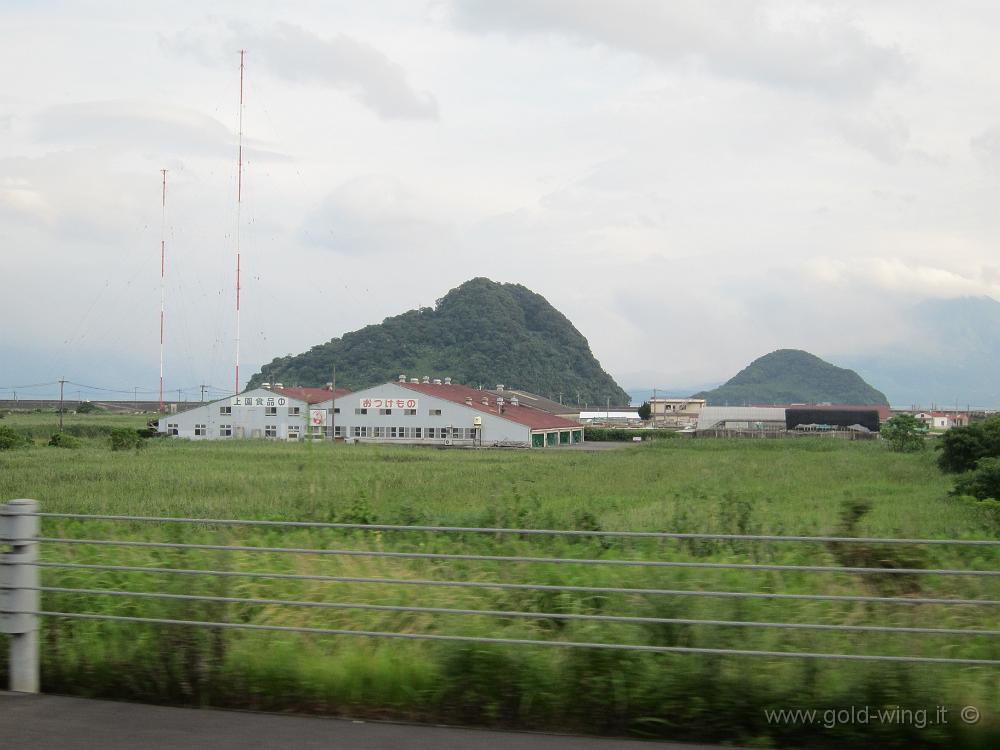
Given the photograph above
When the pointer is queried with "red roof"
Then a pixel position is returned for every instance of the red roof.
(311, 395)
(535, 419)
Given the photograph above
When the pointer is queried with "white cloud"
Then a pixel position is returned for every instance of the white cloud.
(802, 47)
(295, 54)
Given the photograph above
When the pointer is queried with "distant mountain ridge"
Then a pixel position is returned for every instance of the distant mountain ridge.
(481, 332)
(788, 376)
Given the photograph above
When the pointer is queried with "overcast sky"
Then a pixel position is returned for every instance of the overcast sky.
(693, 184)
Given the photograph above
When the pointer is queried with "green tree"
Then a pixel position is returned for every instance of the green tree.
(962, 447)
(983, 483)
(904, 433)
(645, 411)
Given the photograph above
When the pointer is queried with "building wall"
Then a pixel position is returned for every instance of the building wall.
(207, 422)
(350, 424)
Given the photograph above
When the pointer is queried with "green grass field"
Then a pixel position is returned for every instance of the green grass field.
(772, 487)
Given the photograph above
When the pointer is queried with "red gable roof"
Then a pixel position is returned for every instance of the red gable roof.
(535, 419)
(311, 395)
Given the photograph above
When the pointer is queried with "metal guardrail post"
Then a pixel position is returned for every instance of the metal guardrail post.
(19, 595)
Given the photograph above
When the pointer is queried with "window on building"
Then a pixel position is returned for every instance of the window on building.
(410, 412)
(270, 430)
(172, 429)
(336, 410)
(431, 433)
(293, 411)
(360, 411)
(270, 411)
(293, 432)
(225, 430)
(338, 431)
(395, 432)
(361, 431)
(384, 412)
(199, 429)
(225, 410)
(435, 412)
(416, 432)
(378, 432)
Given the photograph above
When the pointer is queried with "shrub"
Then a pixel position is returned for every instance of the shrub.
(904, 433)
(620, 434)
(62, 440)
(11, 438)
(962, 447)
(87, 408)
(983, 483)
(123, 439)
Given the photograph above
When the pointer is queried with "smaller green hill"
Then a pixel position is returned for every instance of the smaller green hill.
(792, 376)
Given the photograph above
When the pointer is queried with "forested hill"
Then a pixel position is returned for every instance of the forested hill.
(482, 332)
(792, 376)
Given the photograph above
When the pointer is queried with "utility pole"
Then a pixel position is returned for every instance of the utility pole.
(135, 398)
(62, 382)
(203, 387)
(178, 396)
(333, 406)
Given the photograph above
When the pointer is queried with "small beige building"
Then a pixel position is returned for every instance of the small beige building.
(675, 412)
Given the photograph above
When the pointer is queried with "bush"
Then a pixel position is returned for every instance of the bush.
(622, 434)
(904, 433)
(87, 408)
(962, 447)
(62, 440)
(123, 439)
(11, 438)
(983, 483)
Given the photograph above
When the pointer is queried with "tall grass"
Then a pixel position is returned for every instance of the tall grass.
(772, 487)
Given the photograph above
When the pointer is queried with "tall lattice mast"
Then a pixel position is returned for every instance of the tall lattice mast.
(163, 266)
(239, 202)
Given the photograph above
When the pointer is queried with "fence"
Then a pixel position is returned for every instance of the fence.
(21, 589)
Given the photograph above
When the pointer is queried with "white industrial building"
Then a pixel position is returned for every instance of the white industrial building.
(438, 412)
(266, 413)
(420, 412)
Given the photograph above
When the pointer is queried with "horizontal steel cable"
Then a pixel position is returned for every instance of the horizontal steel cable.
(515, 586)
(525, 532)
(519, 558)
(623, 619)
(525, 641)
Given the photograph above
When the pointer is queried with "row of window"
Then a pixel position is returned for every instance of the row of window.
(414, 433)
(269, 411)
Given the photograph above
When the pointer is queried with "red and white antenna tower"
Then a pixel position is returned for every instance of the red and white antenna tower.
(163, 254)
(239, 201)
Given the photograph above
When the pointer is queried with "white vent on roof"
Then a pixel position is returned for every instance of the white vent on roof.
(468, 400)
(437, 381)
(447, 381)
(329, 386)
(265, 385)
(499, 400)
(486, 401)
(414, 380)
(402, 378)
(426, 379)
(279, 385)
(514, 401)
(500, 387)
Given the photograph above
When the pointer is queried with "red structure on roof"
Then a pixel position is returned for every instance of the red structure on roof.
(535, 419)
(312, 395)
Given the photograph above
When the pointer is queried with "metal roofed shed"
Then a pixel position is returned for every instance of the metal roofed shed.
(832, 418)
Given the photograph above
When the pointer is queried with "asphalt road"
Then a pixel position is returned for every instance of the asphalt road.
(45, 722)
